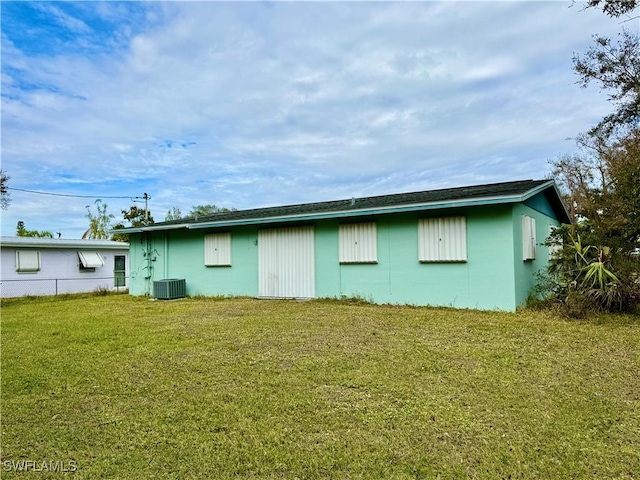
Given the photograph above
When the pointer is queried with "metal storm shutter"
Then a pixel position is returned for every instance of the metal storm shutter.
(442, 239)
(27, 261)
(528, 238)
(217, 249)
(286, 262)
(358, 243)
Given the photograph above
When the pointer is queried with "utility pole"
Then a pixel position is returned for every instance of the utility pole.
(146, 209)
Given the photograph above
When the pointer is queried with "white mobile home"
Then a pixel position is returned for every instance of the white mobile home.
(47, 266)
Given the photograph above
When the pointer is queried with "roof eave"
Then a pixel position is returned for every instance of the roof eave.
(76, 245)
(358, 212)
(426, 206)
(148, 229)
(563, 212)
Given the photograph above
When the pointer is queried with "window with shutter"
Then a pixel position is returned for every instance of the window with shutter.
(528, 238)
(442, 239)
(217, 249)
(358, 243)
(27, 261)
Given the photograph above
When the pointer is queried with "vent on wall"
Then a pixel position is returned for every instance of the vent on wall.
(169, 289)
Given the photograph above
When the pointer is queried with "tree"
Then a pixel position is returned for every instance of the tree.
(22, 231)
(99, 224)
(5, 199)
(616, 67)
(602, 188)
(598, 265)
(574, 174)
(173, 214)
(613, 8)
(198, 211)
(135, 217)
(603, 182)
(623, 165)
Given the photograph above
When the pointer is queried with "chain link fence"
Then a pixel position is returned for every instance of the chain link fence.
(60, 286)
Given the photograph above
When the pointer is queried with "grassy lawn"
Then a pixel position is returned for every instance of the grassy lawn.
(123, 387)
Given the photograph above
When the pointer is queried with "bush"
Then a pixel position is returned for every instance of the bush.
(586, 278)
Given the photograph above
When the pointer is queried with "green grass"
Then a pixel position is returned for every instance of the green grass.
(221, 388)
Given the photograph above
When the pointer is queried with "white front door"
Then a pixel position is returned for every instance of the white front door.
(286, 263)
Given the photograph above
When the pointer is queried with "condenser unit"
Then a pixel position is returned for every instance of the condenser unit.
(169, 289)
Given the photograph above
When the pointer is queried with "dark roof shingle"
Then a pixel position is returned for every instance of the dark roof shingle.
(475, 192)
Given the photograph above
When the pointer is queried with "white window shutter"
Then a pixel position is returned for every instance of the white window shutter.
(217, 249)
(528, 238)
(358, 243)
(27, 261)
(442, 239)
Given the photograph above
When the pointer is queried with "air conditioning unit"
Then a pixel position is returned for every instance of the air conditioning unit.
(169, 289)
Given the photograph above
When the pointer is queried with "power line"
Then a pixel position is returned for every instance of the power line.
(67, 195)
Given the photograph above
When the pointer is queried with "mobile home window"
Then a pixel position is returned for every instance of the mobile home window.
(528, 238)
(27, 261)
(89, 261)
(358, 243)
(217, 249)
(442, 239)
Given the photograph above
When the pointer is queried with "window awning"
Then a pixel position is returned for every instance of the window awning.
(27, 261)
(91, 259)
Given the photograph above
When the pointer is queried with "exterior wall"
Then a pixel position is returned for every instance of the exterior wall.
(485, 281)
(60, 272)
(180, 254)
(525, 271)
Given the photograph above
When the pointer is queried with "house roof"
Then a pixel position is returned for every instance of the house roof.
(36, 242)
(496, 193)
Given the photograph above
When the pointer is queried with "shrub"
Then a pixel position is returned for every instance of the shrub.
(585, 278)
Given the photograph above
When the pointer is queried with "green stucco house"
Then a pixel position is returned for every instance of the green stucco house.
(469, 247)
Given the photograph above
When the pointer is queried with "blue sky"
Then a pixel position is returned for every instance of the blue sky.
(250, 104)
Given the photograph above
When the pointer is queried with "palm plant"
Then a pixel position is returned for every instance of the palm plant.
(100, 223)
(592, 274)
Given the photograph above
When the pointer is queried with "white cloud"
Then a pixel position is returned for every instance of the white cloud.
(289, 102)
(64, 20)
